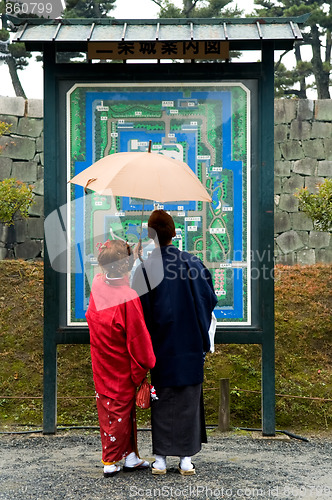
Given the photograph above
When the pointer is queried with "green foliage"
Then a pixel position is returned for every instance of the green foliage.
(4, 35)
(20, 55)
(318, 206)
(15, 199)
(4, 128)
(88, 8)
(197, 8)
(317, 33)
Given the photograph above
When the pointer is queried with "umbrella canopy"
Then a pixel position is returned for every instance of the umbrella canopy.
(151, 176)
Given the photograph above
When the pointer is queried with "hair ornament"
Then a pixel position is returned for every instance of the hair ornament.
(102, 246)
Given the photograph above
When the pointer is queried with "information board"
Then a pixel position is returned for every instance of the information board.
(205, 125)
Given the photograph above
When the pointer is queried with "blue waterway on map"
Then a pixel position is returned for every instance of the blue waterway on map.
(237, 310)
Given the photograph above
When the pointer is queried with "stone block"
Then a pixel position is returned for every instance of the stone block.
(12, 120)
(321, 130)
(286, 260)
(40, 172)
(304, 235)
(277, 185)
(289, 242)
(36, 228)
(324, 255)
(3, 233)
(323, 110)
(291, 184)
(20, 230)
(37, 207)
(30, 249)
(39, 187)
(325, 168)
(35, 108)
(282, 222)
(25, 171)
(18, 148)
(5, 168)
(305, 109)
(300, 130)
(282, 168)
(314, 149)
(42, 158)
(306, 166)
(288, 203)
(277, 200)
(280, 132)
(31, 127)
(40, 144)
(291, 150)
(284, 110)
(328, 149)
(319, 239)
(313, 183)
(277, 152)
(12, 106)
(306, 257)
(301, 222)
(3, 253)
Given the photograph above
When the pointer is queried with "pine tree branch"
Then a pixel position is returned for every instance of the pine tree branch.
(277, 64)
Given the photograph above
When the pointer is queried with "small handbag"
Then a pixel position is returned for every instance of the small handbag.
(143, 395)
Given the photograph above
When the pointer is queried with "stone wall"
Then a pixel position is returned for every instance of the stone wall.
(22, 158)
(303, 158)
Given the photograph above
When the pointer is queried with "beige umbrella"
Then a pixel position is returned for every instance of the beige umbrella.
(151, 176)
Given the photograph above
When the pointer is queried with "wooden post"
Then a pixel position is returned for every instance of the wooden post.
(224, 411)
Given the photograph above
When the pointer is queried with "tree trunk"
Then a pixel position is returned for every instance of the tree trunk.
(321, 75)
(303, 87)
(15, 79)
(188, 6)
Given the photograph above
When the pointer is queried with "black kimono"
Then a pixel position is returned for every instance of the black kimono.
(177, 312)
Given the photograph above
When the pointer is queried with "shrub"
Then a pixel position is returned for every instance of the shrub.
(318, 206)
(15, 200)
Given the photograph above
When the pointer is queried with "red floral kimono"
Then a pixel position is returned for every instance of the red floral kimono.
(121, 354)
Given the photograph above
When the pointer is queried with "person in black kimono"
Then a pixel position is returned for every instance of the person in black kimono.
(178, 299)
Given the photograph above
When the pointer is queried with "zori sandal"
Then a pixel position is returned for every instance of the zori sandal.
(189, 472)
(157, 472)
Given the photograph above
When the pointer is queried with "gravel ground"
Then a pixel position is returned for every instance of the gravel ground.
(235, 466)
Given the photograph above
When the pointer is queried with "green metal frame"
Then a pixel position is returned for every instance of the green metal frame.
(262, 332)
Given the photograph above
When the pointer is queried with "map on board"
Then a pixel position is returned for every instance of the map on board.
(205, 126)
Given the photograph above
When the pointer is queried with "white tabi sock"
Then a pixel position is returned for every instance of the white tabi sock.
(108, 469)
(132, 459)
(160, 462)
(185, 463)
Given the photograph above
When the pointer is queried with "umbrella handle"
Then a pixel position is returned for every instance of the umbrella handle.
(140, 233)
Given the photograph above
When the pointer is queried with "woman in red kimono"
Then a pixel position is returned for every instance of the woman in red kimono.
(121, 354)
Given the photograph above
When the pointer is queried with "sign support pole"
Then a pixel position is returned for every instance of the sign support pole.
(51, 279)
(267, 239)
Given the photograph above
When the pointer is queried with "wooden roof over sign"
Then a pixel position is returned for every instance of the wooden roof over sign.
(158, 38)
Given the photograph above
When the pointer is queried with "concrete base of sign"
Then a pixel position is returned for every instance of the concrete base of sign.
(278, 437)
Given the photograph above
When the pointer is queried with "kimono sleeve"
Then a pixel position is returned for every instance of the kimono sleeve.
(139, 343)
(204, 298)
